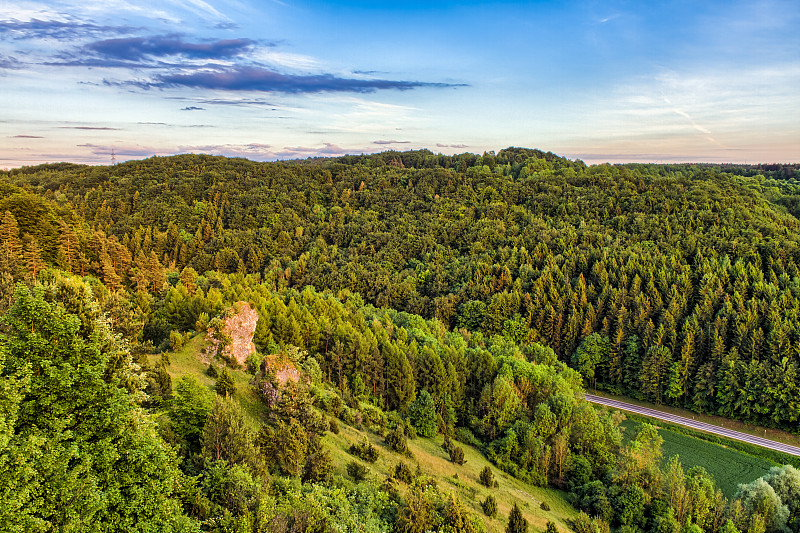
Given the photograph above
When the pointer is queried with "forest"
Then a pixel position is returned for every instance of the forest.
(471, 298)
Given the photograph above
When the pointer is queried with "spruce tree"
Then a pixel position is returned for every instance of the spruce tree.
(516, 522)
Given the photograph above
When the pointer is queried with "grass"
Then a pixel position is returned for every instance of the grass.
(728, 466)
(460, 480)
(189, 361)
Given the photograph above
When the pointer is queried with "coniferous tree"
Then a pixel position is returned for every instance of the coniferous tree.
(516, 522)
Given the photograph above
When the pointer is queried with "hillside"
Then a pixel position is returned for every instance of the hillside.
(689, 274)
(412, 296)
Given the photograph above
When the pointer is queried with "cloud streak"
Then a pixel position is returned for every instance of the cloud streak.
(266, 80)
(141, 48)
(56, 29)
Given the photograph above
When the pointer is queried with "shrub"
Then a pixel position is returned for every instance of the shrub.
(253, 362)
(544, 506)
(373, 416)
(319, 465)
(211, 371)
(486, 477)
(489, 506)
(175, 340)
(225, 385)
(334, 425)
(516, 522)
(422, 413)
(331, 403)
(396, 440)
(365, 450)
(457, 454)
(402, 472)
(357, 471)
(465, 435)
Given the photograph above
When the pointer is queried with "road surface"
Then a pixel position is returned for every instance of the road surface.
(694, 424)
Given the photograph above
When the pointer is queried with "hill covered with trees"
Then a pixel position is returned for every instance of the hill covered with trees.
(470, 296)
(688, 275)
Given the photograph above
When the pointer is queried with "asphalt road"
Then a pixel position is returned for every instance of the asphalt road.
(694, 424)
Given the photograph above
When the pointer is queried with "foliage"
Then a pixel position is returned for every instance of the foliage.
(357, 471)
(364, 450)
(422, 414)
(516, 522)
(486, 477)
(489, 506)
(402, 472)
(58, 399)
(396, 440)
(225, 385)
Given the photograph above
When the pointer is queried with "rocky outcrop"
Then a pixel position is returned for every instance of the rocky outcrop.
(235, 335)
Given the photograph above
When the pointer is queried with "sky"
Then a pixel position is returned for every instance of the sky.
(602, 81)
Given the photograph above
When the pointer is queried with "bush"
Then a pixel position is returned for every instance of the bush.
(516, 522)
(465, 435)
(396, 440)
(486, 477)
(334, 425)
(319, 465)
(357, 471)
(489, 506)
(365, 450)
(331, 403)
(225, 385)
(373, 416)
(351, 417)
(211, 371)
(402, 472)
(544, 506)
(457, 454)
(175, 340)
(422, 413)
(253, 362)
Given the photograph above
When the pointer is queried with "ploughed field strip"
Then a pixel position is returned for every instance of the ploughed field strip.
(694, 424)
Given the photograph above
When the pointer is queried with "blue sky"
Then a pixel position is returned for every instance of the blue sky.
(614, 81)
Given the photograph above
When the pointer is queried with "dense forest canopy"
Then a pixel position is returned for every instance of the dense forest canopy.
(688, 273)
(416, 294)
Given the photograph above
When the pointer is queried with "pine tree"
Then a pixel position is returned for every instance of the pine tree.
(516, 522)
(11, 259)
(225, 386)
(33, 259)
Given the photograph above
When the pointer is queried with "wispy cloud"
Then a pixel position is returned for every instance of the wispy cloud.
(158, 46)
(101, 128)
(9, 62)
(192, 108)
(266, 80)
(440, 145)
(391, 142)
(27, 137)
(66, 30)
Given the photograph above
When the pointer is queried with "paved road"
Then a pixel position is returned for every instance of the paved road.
(694, 424)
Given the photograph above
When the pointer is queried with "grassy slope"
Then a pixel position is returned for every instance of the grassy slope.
(435, 462)
(432, 459)
(188, 361)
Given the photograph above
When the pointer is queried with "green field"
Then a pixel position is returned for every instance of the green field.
(728, 466)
